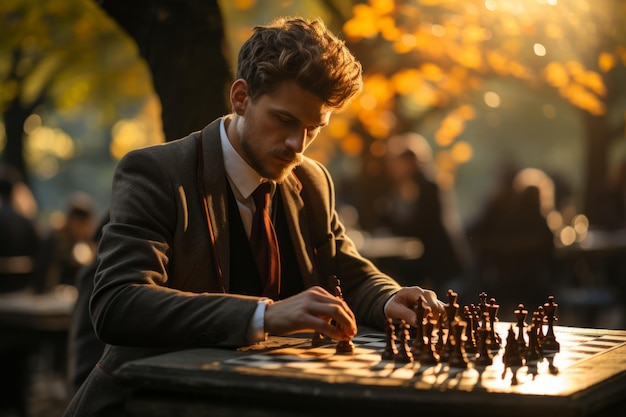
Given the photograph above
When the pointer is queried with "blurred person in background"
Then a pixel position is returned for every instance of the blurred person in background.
(415, 206)
(69, 245)
(513, 245)
(19, 243)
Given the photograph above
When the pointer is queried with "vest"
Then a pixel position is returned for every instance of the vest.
(244, 277)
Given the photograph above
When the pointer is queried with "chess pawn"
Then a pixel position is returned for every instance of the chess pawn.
(429, 355)
(521, 313)
(391, 350)
(538, 317)
(345, 347)
(317, 340)
(549, 341)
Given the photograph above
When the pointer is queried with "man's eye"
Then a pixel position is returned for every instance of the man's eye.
(284, 121)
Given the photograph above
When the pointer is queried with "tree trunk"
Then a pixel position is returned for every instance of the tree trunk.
(183, 43)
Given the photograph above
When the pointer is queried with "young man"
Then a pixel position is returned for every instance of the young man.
(176, 269)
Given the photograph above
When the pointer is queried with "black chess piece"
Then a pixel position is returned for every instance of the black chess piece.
(404, 353)
(440, 336)
(550, 343)
(521, 313)
(318, 339)
(343, 346)
(429, 355)
(470, 331)
(391, 350)
(495, 342)
(512, 357)
(458, 358)
(482, 302)
(538, 318)
(533, 351)
(512, 354)
(418, 342)
(484, 357)
(451, 308)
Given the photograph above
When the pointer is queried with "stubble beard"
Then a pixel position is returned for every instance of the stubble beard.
(278, 173)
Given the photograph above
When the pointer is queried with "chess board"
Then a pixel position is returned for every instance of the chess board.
(289, 377)
(548, 376)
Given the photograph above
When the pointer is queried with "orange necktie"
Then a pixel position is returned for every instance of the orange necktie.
(264, 243)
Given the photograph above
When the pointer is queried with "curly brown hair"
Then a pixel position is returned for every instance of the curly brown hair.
(292, 49)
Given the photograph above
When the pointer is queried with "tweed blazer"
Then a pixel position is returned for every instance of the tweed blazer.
(163, 275)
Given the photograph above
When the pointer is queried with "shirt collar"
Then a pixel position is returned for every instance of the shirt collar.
(242, 177)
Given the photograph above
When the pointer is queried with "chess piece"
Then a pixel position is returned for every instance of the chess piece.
(538, 317)
(318, 339)
(404, 353)
(521, 313)
(470, 331)
(512, 355)
(458, 358)
(391, 350)
(549, 342)
(343, 346)
(451, 308)
(482, 302)
(495, 342)
(418, 342)
(533, 351)
(484, 357)
(429, 355)
(440, 336)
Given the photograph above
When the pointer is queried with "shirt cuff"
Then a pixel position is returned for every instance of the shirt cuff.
(256, 329)
(386, 304)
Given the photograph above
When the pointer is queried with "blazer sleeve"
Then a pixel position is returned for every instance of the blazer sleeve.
(364, 286)
(136, 301)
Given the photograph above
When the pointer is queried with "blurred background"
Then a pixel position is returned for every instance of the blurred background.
(487, 151)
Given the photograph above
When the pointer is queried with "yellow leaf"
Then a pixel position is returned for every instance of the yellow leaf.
(606, 61)
(556, 75)
(245, 4)
(473, 34)
(383, 6)
(431, 72)
(406, 81)
(461, 152)
(352, 144)
(593, 81)
(363, 24)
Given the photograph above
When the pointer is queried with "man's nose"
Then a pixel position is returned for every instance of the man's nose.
(296, 141)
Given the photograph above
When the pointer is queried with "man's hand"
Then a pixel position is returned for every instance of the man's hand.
(312, 309)
(403, 303)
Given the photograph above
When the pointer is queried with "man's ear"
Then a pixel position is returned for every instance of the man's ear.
(239, 96)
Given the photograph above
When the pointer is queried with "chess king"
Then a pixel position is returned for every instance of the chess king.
(176, 269)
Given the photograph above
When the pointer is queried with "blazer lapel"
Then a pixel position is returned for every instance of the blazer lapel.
(214, 190)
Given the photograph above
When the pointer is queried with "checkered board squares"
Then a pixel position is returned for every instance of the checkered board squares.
(366, 367)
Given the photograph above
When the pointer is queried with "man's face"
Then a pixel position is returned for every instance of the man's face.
(273, 131)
